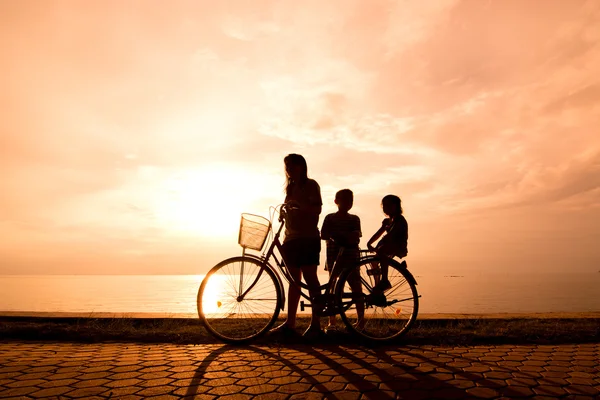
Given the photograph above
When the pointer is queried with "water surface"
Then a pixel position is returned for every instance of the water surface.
(174, 294)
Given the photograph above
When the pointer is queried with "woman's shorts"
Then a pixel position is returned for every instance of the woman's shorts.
(302, 252)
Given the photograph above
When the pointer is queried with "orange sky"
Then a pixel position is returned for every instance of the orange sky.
(133, 133)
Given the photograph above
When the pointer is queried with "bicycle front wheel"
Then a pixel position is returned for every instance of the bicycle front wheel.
(239, 299)
(377, 317)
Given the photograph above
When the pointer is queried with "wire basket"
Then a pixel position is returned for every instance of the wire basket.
(254, 230)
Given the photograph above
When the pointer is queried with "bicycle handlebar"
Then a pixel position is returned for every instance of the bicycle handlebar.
(285, 207)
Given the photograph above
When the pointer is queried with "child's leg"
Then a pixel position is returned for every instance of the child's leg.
(332, 278)
(332, 321)
(384, 271)
(384, 254)
(312, 281)
(382, 284)
(335, 269)
(355, 285)
(334, 274)
(376, 272)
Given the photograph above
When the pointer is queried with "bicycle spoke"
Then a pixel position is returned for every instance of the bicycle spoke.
(387, 315)
(247, 298)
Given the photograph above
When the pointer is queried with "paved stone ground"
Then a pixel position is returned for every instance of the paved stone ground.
(132, 371)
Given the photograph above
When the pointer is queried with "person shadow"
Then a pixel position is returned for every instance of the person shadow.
(326, 371)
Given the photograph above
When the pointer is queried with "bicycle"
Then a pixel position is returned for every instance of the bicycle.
(240, 298)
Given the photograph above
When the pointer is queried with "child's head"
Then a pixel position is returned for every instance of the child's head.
(344, 200)
(392, 205)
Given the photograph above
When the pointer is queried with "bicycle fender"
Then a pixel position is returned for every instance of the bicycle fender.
(409, 275)
(402, 265)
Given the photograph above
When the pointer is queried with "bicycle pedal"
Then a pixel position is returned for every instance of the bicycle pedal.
(329, 312)
(378, 299)
(303, 306)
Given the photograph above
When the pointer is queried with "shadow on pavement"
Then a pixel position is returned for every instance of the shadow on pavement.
(328, 371)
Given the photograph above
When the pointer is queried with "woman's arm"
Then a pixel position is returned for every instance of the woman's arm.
(312, 209)
(299, 211)
(315, 203)
(311, 202)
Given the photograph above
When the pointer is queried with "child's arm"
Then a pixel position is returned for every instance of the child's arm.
(354, 237)
(356, 234)
(375, 236)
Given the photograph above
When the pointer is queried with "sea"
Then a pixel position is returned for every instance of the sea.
(175, 295)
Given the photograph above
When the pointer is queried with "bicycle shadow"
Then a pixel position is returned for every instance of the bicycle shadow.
(328, 371)
(502, 388)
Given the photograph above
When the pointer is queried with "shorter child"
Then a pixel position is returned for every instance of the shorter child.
(341, 230)
(395, 241)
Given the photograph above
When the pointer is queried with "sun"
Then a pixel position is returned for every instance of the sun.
(209, 201)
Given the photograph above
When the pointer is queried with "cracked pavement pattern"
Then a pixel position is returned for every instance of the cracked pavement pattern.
(164, 371)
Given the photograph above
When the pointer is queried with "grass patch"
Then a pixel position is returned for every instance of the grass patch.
(190, 331)
(521, 330)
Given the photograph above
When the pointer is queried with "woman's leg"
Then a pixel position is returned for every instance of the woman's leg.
(293, 298)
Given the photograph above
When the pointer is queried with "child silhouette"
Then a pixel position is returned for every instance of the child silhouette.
(341, 231)
(395, 241)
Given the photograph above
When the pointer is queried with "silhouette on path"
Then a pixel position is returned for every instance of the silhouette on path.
(105, 370)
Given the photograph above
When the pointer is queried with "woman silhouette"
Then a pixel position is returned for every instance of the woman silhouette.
(302, 243)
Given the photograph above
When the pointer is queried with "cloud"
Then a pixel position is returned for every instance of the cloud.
(588, 96)
(579, 177)
(466, 99)
(248, 27)
(445, 103)
(411, 23)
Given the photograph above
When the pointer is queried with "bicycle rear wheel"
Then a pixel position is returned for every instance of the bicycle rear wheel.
(387, 316)
(239, 299)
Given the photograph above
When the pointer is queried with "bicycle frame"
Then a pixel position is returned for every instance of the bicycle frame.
(369, 312)
(281, 265)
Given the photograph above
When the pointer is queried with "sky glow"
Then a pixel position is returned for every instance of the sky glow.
(135, 133)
